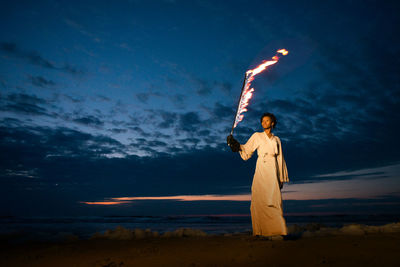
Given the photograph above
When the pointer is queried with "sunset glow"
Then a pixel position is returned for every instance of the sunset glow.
(246, 197)
(104, 202)
(124, 200)
(365, 184)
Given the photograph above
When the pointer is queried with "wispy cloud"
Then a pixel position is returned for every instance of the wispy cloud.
(39, 81)
(390, 170)
(365, 183)
(35, 58)
(21, 103)
(80, 28)
(89, 121)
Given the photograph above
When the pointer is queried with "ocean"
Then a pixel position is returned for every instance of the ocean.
(83, 227)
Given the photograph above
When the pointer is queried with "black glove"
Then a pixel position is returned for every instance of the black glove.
(233, 143)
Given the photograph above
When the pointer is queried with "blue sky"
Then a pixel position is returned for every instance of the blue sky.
(103, 100)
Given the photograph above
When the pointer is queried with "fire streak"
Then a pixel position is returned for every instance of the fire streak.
(247, 92)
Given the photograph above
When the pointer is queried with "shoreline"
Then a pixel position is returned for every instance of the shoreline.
(120, 232)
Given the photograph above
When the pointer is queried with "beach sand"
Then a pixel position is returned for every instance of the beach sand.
(381, 249)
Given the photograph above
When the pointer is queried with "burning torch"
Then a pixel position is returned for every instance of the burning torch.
(247, 92)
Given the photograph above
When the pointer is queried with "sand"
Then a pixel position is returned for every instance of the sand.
(379, 249)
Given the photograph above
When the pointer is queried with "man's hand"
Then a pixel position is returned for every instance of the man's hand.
(233, 143)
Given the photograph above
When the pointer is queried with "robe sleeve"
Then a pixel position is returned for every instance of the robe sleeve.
(248, 149)
(283, 173)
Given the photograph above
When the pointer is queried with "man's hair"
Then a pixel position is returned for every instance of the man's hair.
(271, 116)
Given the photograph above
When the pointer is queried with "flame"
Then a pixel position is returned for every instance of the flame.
(283, 52)
(247, 91)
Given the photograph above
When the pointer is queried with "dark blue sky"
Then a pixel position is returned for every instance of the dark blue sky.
(102, 100)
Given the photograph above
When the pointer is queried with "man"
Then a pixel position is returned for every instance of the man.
(270, 174)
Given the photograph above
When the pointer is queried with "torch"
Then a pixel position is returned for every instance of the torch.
(247, 92)
(236, 120)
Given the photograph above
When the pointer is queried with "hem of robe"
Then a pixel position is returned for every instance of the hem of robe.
(272, 223)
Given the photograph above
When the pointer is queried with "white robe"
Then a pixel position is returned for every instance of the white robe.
(266, 199)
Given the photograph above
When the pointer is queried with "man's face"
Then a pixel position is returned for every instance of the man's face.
(266, 122)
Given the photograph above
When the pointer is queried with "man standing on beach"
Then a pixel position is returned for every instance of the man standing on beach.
(270, 174)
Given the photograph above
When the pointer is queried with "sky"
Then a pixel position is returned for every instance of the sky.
(123, 108)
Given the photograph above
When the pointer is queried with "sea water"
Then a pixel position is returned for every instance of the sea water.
(83, 227)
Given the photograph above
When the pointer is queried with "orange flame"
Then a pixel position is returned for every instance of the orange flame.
(247, 91)
(283, 52)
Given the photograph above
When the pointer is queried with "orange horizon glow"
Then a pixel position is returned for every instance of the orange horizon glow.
(103, 202)
(366, 184)
(299, 192)
(125, 200)
(243, 197)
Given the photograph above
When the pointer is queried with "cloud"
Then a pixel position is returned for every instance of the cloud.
(168, 119)
(204, 132)
(370, 184)
(184, 126)
(19, 173)
(158, 134)
(101, 98)
(25, 104)
(39, 81)
(155, 143)
(71, 69)
(160, 124)
(189, 121)
(150, 146)
(138, 130)
(32, 57)
(221, 111)
(117, 130)
(3, 83)
(189, 141)
(89, 120)
(352, 206)
(74, 24)
(346, 120)
(74, 99)
(30, 145)
(35, 58)
(119, 108)
(21, 103)
(225, 87)
(78, 161)
(203, 87)
(143, 97)
(64, 154)
(178, 100)
(124, 200)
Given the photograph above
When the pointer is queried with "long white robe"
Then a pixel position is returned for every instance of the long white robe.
(266, 199)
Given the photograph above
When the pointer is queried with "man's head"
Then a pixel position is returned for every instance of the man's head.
(268, 120)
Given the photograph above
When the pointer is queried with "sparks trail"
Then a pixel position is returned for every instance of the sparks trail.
(247, 92)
